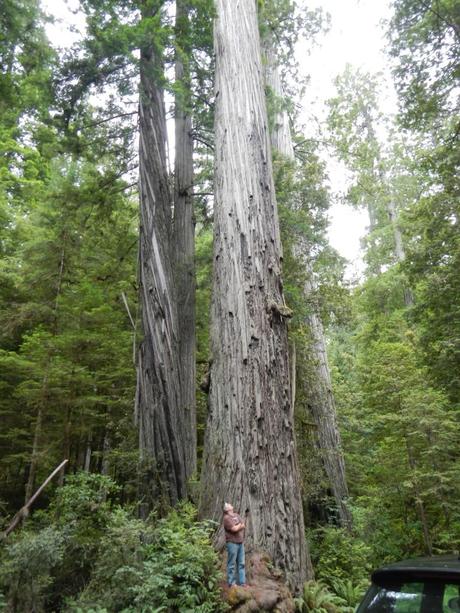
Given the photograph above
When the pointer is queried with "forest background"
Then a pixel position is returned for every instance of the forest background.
(70, 307)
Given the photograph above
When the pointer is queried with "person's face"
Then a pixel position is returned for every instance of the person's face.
(230, 510)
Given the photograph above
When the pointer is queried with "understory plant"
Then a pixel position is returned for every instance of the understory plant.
(339, 554)
(167, 564)
(317, 598)
(88, 554)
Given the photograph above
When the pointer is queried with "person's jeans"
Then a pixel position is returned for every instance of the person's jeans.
(235, 555)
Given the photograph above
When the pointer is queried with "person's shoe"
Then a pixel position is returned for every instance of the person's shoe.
(230, 585)
(245, 585)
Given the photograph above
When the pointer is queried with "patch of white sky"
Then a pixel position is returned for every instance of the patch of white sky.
(68, 24)
(356, 37)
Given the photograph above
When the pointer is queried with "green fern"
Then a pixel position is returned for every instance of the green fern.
(316, 598)
(348, 592)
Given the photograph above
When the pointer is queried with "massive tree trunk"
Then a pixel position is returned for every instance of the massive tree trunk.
(250, 455)
(184, 234)
(317, 385)
(158, 393)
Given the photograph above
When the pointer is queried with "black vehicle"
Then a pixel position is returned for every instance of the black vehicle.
(422, 585)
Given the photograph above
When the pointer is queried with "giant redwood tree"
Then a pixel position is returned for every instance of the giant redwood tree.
(158, 395)
(250, 454)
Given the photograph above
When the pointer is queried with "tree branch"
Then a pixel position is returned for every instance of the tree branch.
(101, 121)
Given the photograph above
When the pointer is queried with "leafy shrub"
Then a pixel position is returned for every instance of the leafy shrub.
(85, 555)
(53, 557)
(166, 564)
(85, 501)
(181, 567)
(118, 568)
(337, 554)
(83, 507)
(388, 535)
(26, 567)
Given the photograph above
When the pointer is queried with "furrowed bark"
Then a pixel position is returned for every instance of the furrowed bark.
(184, 235)
(158, 391)
(318, 384)
(321, 403)
(250, 454)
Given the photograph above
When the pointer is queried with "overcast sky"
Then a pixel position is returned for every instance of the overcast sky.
(356, 37)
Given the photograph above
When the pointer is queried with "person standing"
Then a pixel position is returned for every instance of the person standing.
(234, 537)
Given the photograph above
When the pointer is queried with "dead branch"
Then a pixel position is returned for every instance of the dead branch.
(24, 512)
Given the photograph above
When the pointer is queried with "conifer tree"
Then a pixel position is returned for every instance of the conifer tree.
(250, 455)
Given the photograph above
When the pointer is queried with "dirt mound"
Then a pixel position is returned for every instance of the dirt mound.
(266, 589)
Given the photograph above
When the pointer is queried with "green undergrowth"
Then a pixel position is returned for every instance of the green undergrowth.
(88, 554)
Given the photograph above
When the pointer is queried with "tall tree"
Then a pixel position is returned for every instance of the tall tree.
(165, 402)
(159, 385)
(250, 454)
(316, 382)
(354, 122)
(184, 231)
(425, 46)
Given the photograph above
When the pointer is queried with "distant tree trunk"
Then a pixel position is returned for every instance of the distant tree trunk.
(184, 234)
(106, 449)
(88, 453)
(418, 499)
(318, 385)
(158, 393)
(389, 206)
(35, 452)
(321, 402)
(66, 440)
(250, 454)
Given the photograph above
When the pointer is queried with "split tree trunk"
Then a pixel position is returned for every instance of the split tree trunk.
(317, 385)
(184, 234)
(158, 393)
(250, 455)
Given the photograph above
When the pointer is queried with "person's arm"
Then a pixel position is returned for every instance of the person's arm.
(238, 527)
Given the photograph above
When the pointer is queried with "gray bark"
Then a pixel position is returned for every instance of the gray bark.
(317, 385)
(106, 449)
(184, 237)
(321, 402)
(399, 246)
(88, 453)
(250, 454)
(158, 393)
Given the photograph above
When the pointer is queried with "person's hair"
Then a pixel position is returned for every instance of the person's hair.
(227, 507)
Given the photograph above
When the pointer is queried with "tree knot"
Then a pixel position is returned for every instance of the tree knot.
(280, 309)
